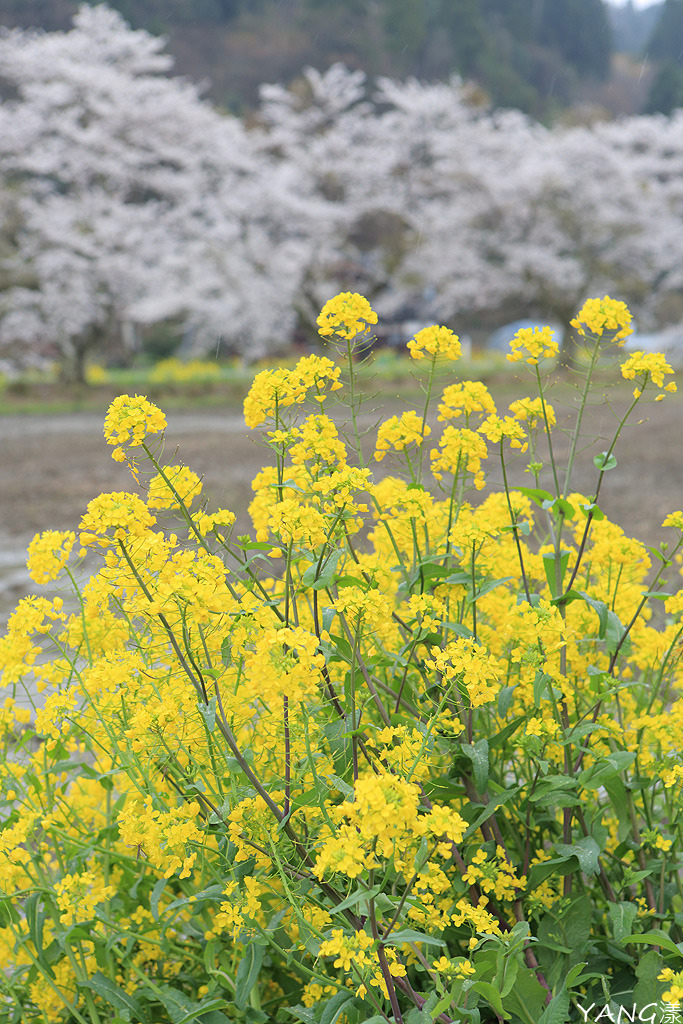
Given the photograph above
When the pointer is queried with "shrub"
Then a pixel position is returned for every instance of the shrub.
(400, 755)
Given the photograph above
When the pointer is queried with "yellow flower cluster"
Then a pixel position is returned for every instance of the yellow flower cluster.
(466, 397)
(176, 485)
(459, 450)
(48, 553)
(505, 428)
(436, 341)
(532, 344)
(399, 432)
(346, 315)
(648, 366)
(469, 665)
(130, 420)
(275, 390)
(599, 315)
(533, 411)
(364, 721)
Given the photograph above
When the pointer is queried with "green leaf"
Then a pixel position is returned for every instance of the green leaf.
(550, 566)
(527, 998)
(491, 995)
(115, 996)
(315, 580)
(656, 937)
(543, 688)
(604, 462)
(35, 918)
(648, 988)
(622, 916)
(335, 782)
(478, 754)
(600, 608)
(490, 808)
(334, 1008)
(214, 892)
(208, 712)
(485, 588)
(536, 494)
(159, 887)
(606, 769)
(409, 935)
(585, 850)
(359, 896)
(248, 972)
(558, 507)
(615, 633)
(505, 700)
(557, 1009)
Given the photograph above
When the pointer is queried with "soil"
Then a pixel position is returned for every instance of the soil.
(51, 466)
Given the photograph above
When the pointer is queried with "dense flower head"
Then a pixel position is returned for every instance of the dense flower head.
(130, 419)
(436, 341)
(398, 432)
(497, 429)
(467, 396)
(177, 484)
(48, 553)
(533, 411)
(346, 315)
(470, 665)
(279, 388)
(119, 511)
(647, 366)
(532, 344)
(599, 315)
(459, 450)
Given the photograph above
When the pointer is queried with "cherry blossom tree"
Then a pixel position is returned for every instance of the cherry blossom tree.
(140, 203)
(137, 202)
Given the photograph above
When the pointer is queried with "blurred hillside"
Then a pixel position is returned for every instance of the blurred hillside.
(538, 56)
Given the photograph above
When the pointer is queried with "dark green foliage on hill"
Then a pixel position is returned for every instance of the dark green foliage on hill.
(666, 41)
(530, 54)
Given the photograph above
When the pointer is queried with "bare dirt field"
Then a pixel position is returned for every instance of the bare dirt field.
(52, 465)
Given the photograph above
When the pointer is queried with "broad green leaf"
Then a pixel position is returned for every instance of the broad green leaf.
(648, 988)
(158, 889)
(248, 972)
(208, 712)
(557, 1009)
(334, 1008)
(409, 935)
(558, 507)
(214, 892)
(656, 937)
(604, 462)
(486, 588)
(359, 896)
(478, 754)
(550, 564)
(585, 850)
(536, 494)
(319, 580)
(490, 808)
(621, 917)
(491, 994)
(606, 769)
(114, 996)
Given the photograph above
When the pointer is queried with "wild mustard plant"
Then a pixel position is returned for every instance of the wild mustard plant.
(411, 752)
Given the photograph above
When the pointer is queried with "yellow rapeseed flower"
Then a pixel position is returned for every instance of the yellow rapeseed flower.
(130, 420)
(48, 553)
(532, 344)
(437, 341)
(599, 315)
(346, 315)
